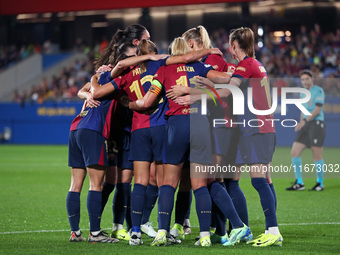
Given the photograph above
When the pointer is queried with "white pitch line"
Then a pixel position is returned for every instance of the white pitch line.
(65, 230)
(41, 231)
(313, 223)
(33, 231)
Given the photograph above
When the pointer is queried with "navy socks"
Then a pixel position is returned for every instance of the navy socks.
(151, 196)
(165, 206)
(137, 204)
(107, 190)
(128, 211)
(267, 200)
(73, 209)
(238, 198)
(120, 202)
(94, 203)
(274, 194)
(183, 203)
(203, 208)
(225, 204)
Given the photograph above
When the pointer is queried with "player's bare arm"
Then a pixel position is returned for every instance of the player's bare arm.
(195, 94)
(100, 91)
(85, 93)
(118, 69)
(192, 56)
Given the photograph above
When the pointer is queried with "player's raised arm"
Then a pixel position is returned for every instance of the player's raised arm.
(195, 93)
(117, 70)
(192, 56)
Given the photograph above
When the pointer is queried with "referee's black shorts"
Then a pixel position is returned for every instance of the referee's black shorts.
(312, 134)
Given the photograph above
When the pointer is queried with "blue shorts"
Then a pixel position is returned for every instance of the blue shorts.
(147, 144)
(224, 143)
(177, 140)
(87, 148)
(120, 140)
(200, 139)
(221, 138)
(187, 137)
(256, 149)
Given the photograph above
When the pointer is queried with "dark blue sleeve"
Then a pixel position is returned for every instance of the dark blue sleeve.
(105, 78)
(157, 64)
(240, 77)
(163, 61)
(114, 84)
(204, 69)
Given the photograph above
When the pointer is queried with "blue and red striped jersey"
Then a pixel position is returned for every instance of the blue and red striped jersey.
(180, 74)
(136, 84)
(226, 110)
(95, 118)
(253, 74)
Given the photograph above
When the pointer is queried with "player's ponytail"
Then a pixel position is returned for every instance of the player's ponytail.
(120, 53)
(145, 47)
(245, 39)
(205, 37)
(120, 37)
(129, 34)
(199, 35)
(179, 47)
(135, 31)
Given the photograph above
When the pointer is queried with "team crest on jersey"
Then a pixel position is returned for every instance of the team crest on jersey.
(241, 68)
(190, 110)
(215, 67)
(185, 111)
(136, 71)
(83, 113)
(231, 69)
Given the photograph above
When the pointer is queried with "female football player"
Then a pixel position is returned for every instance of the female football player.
(119, 117)
(87, 154)
(121, 135)
(256, 144)
(198, 38)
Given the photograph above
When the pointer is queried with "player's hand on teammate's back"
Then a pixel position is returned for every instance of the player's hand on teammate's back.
(216, 51)
(202, 81)
(155, 57)
(104, 68)
(183, 100)
(92, 102)
(177, 91)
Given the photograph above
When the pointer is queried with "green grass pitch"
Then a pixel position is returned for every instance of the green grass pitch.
(35, 180)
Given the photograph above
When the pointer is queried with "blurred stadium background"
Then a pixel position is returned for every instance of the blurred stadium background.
(47, 52)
